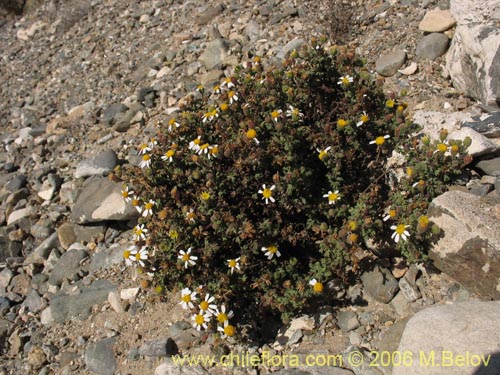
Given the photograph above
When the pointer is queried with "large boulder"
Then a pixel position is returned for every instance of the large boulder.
(469, 250)
(101, 200)
(459, 339)
(473, 59)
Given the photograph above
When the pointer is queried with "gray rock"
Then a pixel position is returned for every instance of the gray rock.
(18, 215)
(473, 62)
(70, 233)
(5, 277)
(469, 248)
(112, 113)
(183, 334)
(388, 65)
(9, 249)
(107, 258)
(18, 182)
(159, 348)
(432, 46)
(100, 164)
(487, 124)
(490, 167)
(437, 20)
(380, 284)
(64, 307)
(401, 305)
(215, 53)
(34, 302)
(43, 250)
(481, 190)
(252, 30)
(473, 11)
(66, 235)
(209, 14)
(446, 332)
(127, 119)
(359, 361)
(347, 321)
(69, 266)
(101, 200)
(100, 358)
(408, 286)
(289, 47)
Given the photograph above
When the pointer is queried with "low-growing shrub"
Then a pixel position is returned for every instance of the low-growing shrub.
(265, 187)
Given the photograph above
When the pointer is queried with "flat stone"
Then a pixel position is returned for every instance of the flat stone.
(469, 329)
(487, 124)
(128, 294)
(100, 358)
(5, 277)
(100, 164)
(490, 167)
(388, 65)
(34, 302)
(43, 250)
(289, 47)
(66, 235)
(18, 215)
(380, 284)
(400, 305)
(112, 113)
(215, 53)
(107, 258)
(64, 307)
(469, 248)
(69, 266)
(159, 348)
(101, 200)
(437, 20)
(347, 321)
(209, 14)
(115, 302)
(432, 46)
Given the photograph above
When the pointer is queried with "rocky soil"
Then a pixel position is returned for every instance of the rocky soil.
(85, 82)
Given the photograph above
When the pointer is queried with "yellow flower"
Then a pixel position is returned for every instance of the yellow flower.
(352, 225)
(332, 196)
(400, 232)
(441, 147)
(317, 286)
(341, 123)
(353, 237)
(409, 171)
(224, 107)
(323, 153)
(270, 251)
(390, 215)
(173, 234)
(267, 193)
(252, 134)
(390, 103)
(363, 119)
(379, 141)
(205, 196)
(275, 115)
(423, 221)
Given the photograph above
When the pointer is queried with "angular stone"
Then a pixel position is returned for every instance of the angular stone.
(209, 14)
(34, 302)
(100, 164)
(115, 302)
(159, 348)
(347, 321)
(380, 284)
(388, 65)
(469, 250)
(18, 215)
(446, 332)
(100, 358)
(112, 113)
(487, 124)
(68, 267)
(473, 62)
(5, 277)
(490, 167)
(64, 307)
(289, 47)
(101, 200)
(474, 11)
(437, 20)
(66, 235)
(43, 250)
(432, 46)
(215, 53)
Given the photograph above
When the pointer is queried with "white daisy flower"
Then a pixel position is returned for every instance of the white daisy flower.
(234, 263)
(128, 257)
(400, 232)
(271, 251)
(345, 80)
(190, 215)
(187, 298)
(332, 196)
(144, 148)
(267, 194)
(293, 112)
(227, 330)
(140, 255)
(145, 161)
(379, 141)
(222, 316)
(187, 258)
(148, 208)
(169, 155)
(127, 194)
(207, 306)
(195, 144)
(232, 97)
(172, 123)
(363, 119)
(200, 320)
(322, 153)
(139, 232)
(228, 82)
(276, 114)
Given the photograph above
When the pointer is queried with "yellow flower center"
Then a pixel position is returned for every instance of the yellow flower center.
(126, 254)
(185, 257)
(364, 118)
(204, 305)
(214, 150)
(135, 202)
(275, 115)
(318, 287)
(379, 141)
(392, 213)
(442, 147)
(190, 215)
(186, 298)
(205, 195)
(454, 149)
(173, 234)
(204, 146)
(224, 107)
(229, 330)
(345, 80)
(333, 196)
(267, 193)
(409, 171)
(197, 141)
(125, 194)
(138, 256)
(251, 133)
(146, 157)
(231, 94)
(322, 154)
(353, 237)
(295, 112)
(341, 123)
(221, 317)
(232, 263)
(216, 88)
(390, 103)
(143, 146)
(138, 231)
(228, 80)
(400, 108)
(148, 205)
(272, 249)
(170, 153)
(171, 121)
(199, 319)
(400, 229)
